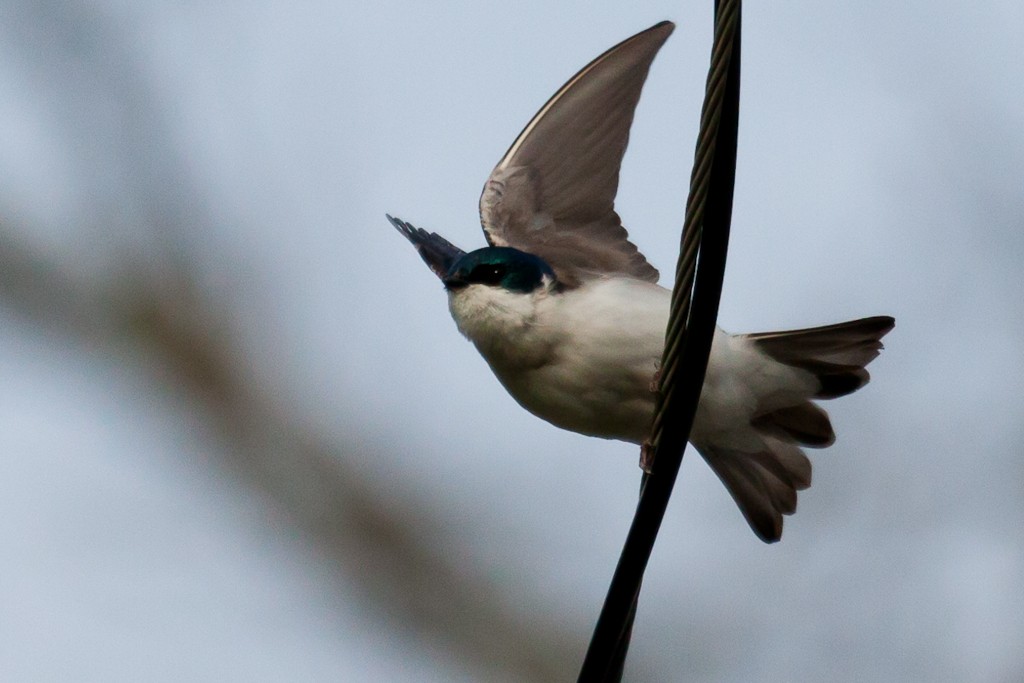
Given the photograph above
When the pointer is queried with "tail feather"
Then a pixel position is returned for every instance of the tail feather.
(805, 423)
(764, 481)
(763, 484)
(786, 462)
(750, 489)
(835, 354)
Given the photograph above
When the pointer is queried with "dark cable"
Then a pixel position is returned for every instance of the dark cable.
(699, 271)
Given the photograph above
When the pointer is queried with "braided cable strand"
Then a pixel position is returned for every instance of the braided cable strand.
(686, 266)
(695, 297)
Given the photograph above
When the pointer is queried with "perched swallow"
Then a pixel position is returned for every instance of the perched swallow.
(569, 315)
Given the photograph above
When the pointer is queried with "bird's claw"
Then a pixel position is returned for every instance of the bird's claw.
(646, 456)
(655, 385)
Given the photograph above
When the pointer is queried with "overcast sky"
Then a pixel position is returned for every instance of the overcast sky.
(881, 155)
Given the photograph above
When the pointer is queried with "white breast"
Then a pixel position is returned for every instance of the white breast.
(582, 359)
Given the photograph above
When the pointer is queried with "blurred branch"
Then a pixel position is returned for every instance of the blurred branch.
(397, 551)
(403, 559)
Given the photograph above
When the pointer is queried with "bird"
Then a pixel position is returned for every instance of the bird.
(568, 314)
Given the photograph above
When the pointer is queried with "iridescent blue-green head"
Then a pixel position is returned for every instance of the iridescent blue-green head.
(503, 267)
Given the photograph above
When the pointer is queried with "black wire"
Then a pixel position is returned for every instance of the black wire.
(688, 341)
(726, 32)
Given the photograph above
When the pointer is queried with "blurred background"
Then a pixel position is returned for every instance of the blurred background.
(241, 438)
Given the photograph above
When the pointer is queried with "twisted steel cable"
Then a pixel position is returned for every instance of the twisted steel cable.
(711, 114)
(694, 311)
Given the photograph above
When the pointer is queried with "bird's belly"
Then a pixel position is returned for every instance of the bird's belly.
(606, 390)
(608, 410)
(598, 392)
(583, 360)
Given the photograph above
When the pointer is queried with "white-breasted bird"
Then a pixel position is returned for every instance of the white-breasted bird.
(570, 317)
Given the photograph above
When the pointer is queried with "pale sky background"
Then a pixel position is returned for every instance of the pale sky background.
(258, 145)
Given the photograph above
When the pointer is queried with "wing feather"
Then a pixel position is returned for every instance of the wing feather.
(553, 192)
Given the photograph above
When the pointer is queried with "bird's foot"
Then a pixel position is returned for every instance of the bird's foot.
(646, 456)
(655, 385)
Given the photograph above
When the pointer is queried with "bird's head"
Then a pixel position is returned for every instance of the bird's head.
(494, 294)
(499, 267)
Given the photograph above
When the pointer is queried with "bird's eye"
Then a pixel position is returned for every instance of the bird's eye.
(488, 274)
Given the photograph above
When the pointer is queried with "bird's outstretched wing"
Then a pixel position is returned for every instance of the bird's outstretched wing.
(437, 252)
(553, 192)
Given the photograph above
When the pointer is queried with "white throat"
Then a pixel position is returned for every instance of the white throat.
(507, 327)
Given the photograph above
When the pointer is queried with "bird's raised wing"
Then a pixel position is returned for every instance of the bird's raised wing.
(553, 192)
(437, 252)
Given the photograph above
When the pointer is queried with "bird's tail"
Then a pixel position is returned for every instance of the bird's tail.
(764, 482)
